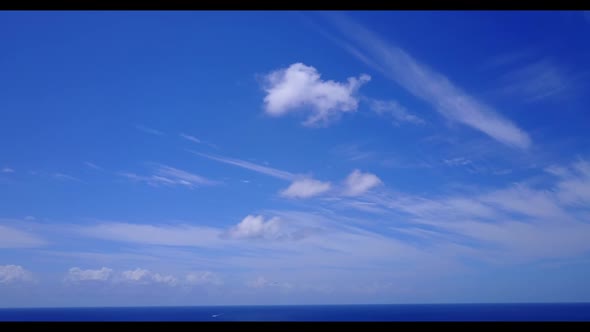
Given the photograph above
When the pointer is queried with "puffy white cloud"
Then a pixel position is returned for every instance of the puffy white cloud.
(13, 273)
(306, 188)
(300, 87)
(77, 274)
(357, 183)
(253, 227)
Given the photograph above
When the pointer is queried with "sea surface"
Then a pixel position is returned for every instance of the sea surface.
(396, 312)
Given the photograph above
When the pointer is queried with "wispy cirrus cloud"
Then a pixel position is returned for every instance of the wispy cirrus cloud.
(170, 176)
(190, 138)
(518, 222)
(535, 81)
(395, 110)
(12, 237)
(92, 165)
(299, 88)
(424, 83)
(164, 235)
(353, 152)
(65, 177)
(279, 174)
(6, 170)
(148, 130)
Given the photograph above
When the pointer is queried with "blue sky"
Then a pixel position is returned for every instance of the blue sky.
(205, 158)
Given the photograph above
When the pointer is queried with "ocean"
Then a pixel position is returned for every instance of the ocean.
(312, 313)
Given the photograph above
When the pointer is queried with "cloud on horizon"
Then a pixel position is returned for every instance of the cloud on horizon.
(14, 273)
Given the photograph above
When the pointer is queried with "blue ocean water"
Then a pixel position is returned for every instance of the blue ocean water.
(396, 312)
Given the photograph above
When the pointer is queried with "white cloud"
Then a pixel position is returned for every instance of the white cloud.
(92, 165)
(446, 98)
(77, 274)
(306, 188)
(14, 238)
(14, 273)
(357, 183)
(137, 275)
(262, 282)
(202, 277)
(7, 170)
(251, 166)
(190, 138)
(167, 235)
(536, 81)
(574, 185)
(255, 227)
(519, 222)
(170, 176)
(165, 279)
(300, 88)
(148, 130)
(398, 112)
(353, 152)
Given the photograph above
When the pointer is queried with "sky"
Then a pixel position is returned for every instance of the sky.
(248, 158)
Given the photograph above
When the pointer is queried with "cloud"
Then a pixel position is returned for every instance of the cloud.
(137, 275)
(190, 138)
(518, 222)
(92, 165)
(536, 81)
(170, 176)
(142, 276)
(573, 188)
(357, 183)
(7, 170)
(255, 227)
(76, 274)
(166, 235)
(283, 175)
(306, 188)
(300, 88)
(14, 238)
(353, 152)
(393, 109)
(202, 278)
(261, 282)
(165, 279)
(14, 273)
(459, 161)
(149, 130)
(424, 83)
